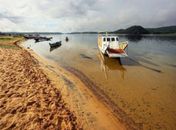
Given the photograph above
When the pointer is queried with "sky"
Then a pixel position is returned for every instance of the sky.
(84, 15)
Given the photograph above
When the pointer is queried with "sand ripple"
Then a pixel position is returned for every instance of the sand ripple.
(28, 100)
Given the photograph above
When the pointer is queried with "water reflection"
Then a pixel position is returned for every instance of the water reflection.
(53, 48)
(139, 62)
(134, 38)
(138, 38)
(142, 85)
(107, 64)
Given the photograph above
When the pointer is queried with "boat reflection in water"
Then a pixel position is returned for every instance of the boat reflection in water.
(53, 48)
(107, 64)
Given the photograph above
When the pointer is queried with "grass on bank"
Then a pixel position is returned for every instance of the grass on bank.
(8, 41)
(9, 46)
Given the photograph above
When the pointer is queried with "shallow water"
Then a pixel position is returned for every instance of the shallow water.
(142, 85)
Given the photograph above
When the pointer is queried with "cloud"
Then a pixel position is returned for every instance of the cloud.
(12, 18)
(81, 15)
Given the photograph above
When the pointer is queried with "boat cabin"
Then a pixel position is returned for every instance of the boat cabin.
(112, 41)
(109, 44)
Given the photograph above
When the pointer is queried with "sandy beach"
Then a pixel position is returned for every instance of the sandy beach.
(28, 100)
(39, 94)
(90, 110)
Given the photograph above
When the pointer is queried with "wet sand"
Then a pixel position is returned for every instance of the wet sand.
(39, 94)
(103, 97)
(28, 99)
(89, 109)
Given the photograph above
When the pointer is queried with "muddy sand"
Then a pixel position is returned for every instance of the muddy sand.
(28, 99)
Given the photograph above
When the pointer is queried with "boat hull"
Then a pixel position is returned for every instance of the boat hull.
(112, 53)
(53, 45)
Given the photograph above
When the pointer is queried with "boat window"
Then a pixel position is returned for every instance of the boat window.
(112, 39)
(104, 39)
(108, 39)
(117, 39)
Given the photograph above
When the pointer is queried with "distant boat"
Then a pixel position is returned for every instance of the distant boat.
(31, 36)
(40, 39)
(55, 44)
(110, 45)
(66, 39)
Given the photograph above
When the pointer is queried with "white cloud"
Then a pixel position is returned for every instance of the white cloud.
(82, 15)
(7, 25)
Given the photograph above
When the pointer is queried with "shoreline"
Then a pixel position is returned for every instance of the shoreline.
(92, 117)
(118, 112)
(28, 98)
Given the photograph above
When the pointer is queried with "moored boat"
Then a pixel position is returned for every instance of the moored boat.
(55, 44)
(40, 39)
(110, 45)
(66, 39)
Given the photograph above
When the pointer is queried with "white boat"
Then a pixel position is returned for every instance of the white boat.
(110, 45)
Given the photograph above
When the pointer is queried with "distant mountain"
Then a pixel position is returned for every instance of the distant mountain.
(162, 30)
(137, 30)
(133, 30)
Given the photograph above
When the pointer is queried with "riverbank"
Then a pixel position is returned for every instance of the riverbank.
(88, 108)
(28, 98)
(37, 94)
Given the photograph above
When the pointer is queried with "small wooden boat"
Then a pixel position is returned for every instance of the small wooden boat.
(41, 39)
(55, 44)
(110, 45)
(66, 39)
(31, 36)
(47, 38)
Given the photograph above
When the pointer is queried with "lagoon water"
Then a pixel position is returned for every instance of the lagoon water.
(143, 85)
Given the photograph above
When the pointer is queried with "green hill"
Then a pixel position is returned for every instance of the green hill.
(162, 30)
(137, 30)
(134, 30)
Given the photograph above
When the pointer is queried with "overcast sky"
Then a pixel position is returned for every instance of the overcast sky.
(84, 15)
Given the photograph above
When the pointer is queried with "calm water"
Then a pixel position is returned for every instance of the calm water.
(142, 85)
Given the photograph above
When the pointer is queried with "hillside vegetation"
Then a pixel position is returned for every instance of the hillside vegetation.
(137, 30)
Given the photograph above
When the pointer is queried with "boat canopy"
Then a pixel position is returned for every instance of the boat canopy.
(109, 38)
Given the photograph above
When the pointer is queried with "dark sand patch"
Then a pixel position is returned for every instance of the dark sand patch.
(85, 56)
